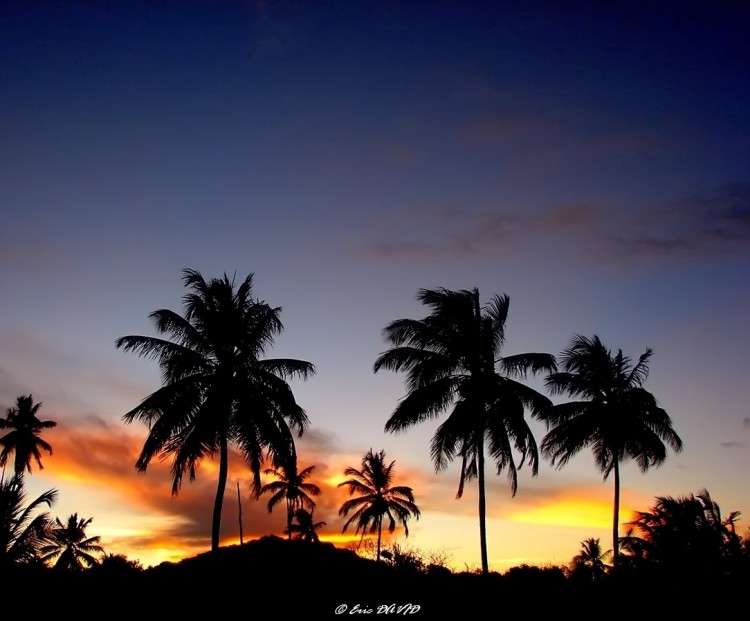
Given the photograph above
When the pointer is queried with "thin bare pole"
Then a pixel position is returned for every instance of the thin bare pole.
(239, 503)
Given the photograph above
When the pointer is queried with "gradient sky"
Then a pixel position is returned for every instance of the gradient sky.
(589, 161)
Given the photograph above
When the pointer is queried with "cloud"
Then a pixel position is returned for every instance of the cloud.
(702, 225)
(94, 455)
(56, 373)
(746, 422)
(47, 256)
(455, 233)
(731, 445)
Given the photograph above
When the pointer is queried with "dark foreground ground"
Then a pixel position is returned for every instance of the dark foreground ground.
(279, 579)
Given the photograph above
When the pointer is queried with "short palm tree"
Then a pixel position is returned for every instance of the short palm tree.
(306, 528)
(69, 547)
(377, 498)
(591, 559)
(24, 528)
(614, 416)
(453, 362)
(686, 534)
(23, 438)
(290, 485)
(217, 387)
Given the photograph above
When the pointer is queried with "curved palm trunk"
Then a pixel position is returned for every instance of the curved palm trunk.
(482, 510)
(223, 470)
(616, 518)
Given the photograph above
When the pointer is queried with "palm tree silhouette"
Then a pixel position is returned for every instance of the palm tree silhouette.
(616, 416)
(591, 559)
(23, 529)
(686, 534)
(70, 546)
(305, 528)
(452, 360)
(23, 439)
(290, 486)
(378, 498)
(217, 389)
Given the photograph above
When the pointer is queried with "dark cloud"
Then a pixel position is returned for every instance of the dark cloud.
(732, 444)
(746, 422)
(452, 233)
(103, 454)
(705, 225)
(701, 225)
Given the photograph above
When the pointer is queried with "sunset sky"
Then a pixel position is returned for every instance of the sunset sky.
(590, 161)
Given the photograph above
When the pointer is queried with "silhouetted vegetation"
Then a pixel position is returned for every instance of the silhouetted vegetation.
(217, 388)
(68, 547)
(588, 565)
(377, 499)
(305, 528)
(686, 536)
(23, 438)
(453, 359)
(404, 577)
(24, 527)
(615, 415)
(292, 487)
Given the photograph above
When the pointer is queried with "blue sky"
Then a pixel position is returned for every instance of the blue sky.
(589, 161)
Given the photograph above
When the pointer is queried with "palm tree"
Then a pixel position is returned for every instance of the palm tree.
(615, 415)
(70, 546)
(453, 362)
(685, 535)
(217, 389)
(305, 528)
(377, 499)
(23, 439)
(23, 529)
(290, 486)
(590, 560)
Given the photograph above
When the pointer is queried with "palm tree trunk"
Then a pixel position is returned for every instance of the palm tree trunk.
(482, 509)
(239, 515)
(223, 470)
(616, 518)
(380, 533)
(289, 518)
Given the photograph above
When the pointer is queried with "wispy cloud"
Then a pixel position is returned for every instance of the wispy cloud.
(702, 225)
(732, 445)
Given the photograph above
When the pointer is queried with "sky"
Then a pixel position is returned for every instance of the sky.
(589, 160)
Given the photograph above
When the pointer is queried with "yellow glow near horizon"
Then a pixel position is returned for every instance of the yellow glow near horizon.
(575, 512)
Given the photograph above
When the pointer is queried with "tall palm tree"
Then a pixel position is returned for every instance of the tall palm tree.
(290, 486)
(378, 498)
(23, 528)
(217, 387)
(453, 362)
(70, 546)
(23, 437)
(614, 415)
